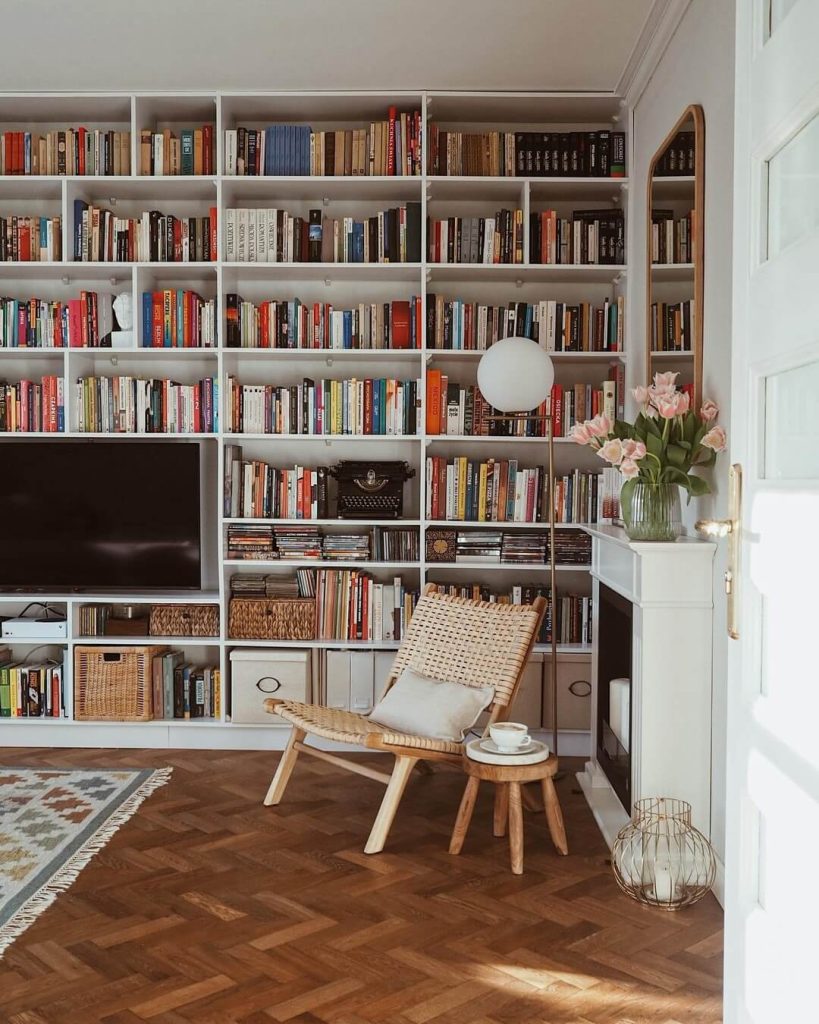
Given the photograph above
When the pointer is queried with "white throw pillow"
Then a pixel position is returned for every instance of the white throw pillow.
(429, 707)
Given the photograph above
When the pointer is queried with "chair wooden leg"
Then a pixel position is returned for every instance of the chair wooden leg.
(515, 828)
(389, 805)
(285, 769)
(501, 808)
(461, 826)
(554, 816)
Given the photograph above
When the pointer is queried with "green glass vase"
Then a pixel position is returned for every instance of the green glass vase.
(654, 512)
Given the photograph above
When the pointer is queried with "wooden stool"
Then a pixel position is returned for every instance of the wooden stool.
(508, 804)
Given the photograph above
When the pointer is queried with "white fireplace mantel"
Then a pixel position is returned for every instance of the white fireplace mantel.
(670, 588)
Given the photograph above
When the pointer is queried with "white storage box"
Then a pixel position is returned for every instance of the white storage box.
(259, 673)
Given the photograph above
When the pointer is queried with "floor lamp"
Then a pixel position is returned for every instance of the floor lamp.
(515, 376)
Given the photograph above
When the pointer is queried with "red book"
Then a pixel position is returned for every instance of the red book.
(391, 115)
(207, 149)
(82, 132)
(557, 410)
(419, 327)
(400, 324)
(433, 412)
(158, 321)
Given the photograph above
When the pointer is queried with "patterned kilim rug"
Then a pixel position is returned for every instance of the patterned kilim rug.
(52, 822)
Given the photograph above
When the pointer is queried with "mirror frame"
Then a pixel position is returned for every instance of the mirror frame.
(694, 113)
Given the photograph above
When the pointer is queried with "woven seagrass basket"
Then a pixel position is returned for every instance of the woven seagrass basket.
(278, 618)
(113, 684)
(184, 620)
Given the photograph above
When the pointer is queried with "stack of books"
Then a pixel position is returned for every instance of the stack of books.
(672, 239)
(497, 239)
(189, 152)
(275, 236)
(178, 318)
(388, 147)
(183, 690)
(254, 584)
(557, 326)
(576, 154)
(28, 406)
(256, 490)
(295, 324)
(100, 235)
(347, 547)
(136, 405)
(525, 547)
(322, 407)
(672, 326)
(30, 689)
(395, 544)
(572, 547)
(588, 237)
(479, 547)
(85, 322)
(351, 605)
(483, 491)
(251, 541)
(75, 151)
(31, 239)
(298, 542)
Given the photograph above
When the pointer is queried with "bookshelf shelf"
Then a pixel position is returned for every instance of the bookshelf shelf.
(672, 355)
(672, 271)
(669, 187)
(342, 285)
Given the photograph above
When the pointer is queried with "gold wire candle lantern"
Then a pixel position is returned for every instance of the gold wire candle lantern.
(660, 858)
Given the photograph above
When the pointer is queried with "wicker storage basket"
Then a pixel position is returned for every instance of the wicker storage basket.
(184, 620)
(264, 618)
(113, 683)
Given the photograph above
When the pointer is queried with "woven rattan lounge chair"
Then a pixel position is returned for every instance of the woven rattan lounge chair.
(471, 642)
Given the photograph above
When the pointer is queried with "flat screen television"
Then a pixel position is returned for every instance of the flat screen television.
(99, 515)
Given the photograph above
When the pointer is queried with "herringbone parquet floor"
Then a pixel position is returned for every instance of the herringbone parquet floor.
(209, 908)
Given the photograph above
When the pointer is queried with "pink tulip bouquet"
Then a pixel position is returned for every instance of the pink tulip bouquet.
(665, 444)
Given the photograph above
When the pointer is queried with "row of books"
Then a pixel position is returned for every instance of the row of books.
(28, 406)
(595, 154)
(323, 407)
(586, 237)
(574, 403)
(672, 238)
(257, 490)
(183, 690)
(673, 325)
(557, 326)
(268, 235)
(488, 490)
(94, 619)
(261, 542)
(496, 239)
(31, 239)
(178, 318)
(30, 690)
(679, 157)
(453, 408)
(155, 237)
(75, 151)
(581, 497)
(319, 325)
(391, 147)
(85, 322)
(573, 611)
(138, 405)
(165, 152)
(351, 605)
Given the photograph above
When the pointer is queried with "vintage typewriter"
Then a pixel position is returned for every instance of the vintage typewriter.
(371, 490)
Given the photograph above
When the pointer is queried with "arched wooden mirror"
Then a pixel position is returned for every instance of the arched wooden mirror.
(676, 193)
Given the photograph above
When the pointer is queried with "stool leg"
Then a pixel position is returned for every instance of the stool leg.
(516, 828)
(501, 808)
(464, 815)
(554, 816)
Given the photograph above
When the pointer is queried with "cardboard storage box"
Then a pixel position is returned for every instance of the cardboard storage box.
(259, 673)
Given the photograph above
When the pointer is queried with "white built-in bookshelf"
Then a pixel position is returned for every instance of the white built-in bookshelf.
(343, 285)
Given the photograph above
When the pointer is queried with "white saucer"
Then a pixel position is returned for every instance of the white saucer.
(535, 752)
(491, 747)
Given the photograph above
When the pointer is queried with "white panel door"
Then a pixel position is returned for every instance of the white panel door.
(772, 894)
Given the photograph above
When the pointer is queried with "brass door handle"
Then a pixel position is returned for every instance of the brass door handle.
(717, 528)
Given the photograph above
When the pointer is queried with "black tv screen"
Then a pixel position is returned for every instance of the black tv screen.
(85, 515)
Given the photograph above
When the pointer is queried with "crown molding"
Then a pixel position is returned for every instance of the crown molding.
(662, 21)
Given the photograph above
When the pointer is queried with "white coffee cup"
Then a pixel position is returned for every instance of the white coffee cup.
(509, 735)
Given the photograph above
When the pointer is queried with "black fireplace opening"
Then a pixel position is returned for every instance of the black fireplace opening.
(614, 631)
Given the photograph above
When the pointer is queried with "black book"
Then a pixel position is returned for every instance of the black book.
(233, 333)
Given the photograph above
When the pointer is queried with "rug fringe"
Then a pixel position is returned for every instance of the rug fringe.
(68, 873)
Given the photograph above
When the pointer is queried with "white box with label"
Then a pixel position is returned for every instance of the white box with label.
(256, 674)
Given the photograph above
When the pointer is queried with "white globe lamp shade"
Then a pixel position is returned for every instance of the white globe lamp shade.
(515, 375)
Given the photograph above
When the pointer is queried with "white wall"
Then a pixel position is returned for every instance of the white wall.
(698, 67)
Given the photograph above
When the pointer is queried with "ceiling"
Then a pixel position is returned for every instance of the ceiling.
(319, 44)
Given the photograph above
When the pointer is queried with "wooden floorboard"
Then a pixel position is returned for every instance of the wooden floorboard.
(207, 907)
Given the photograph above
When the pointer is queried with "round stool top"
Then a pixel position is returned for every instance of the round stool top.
(511, 772)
